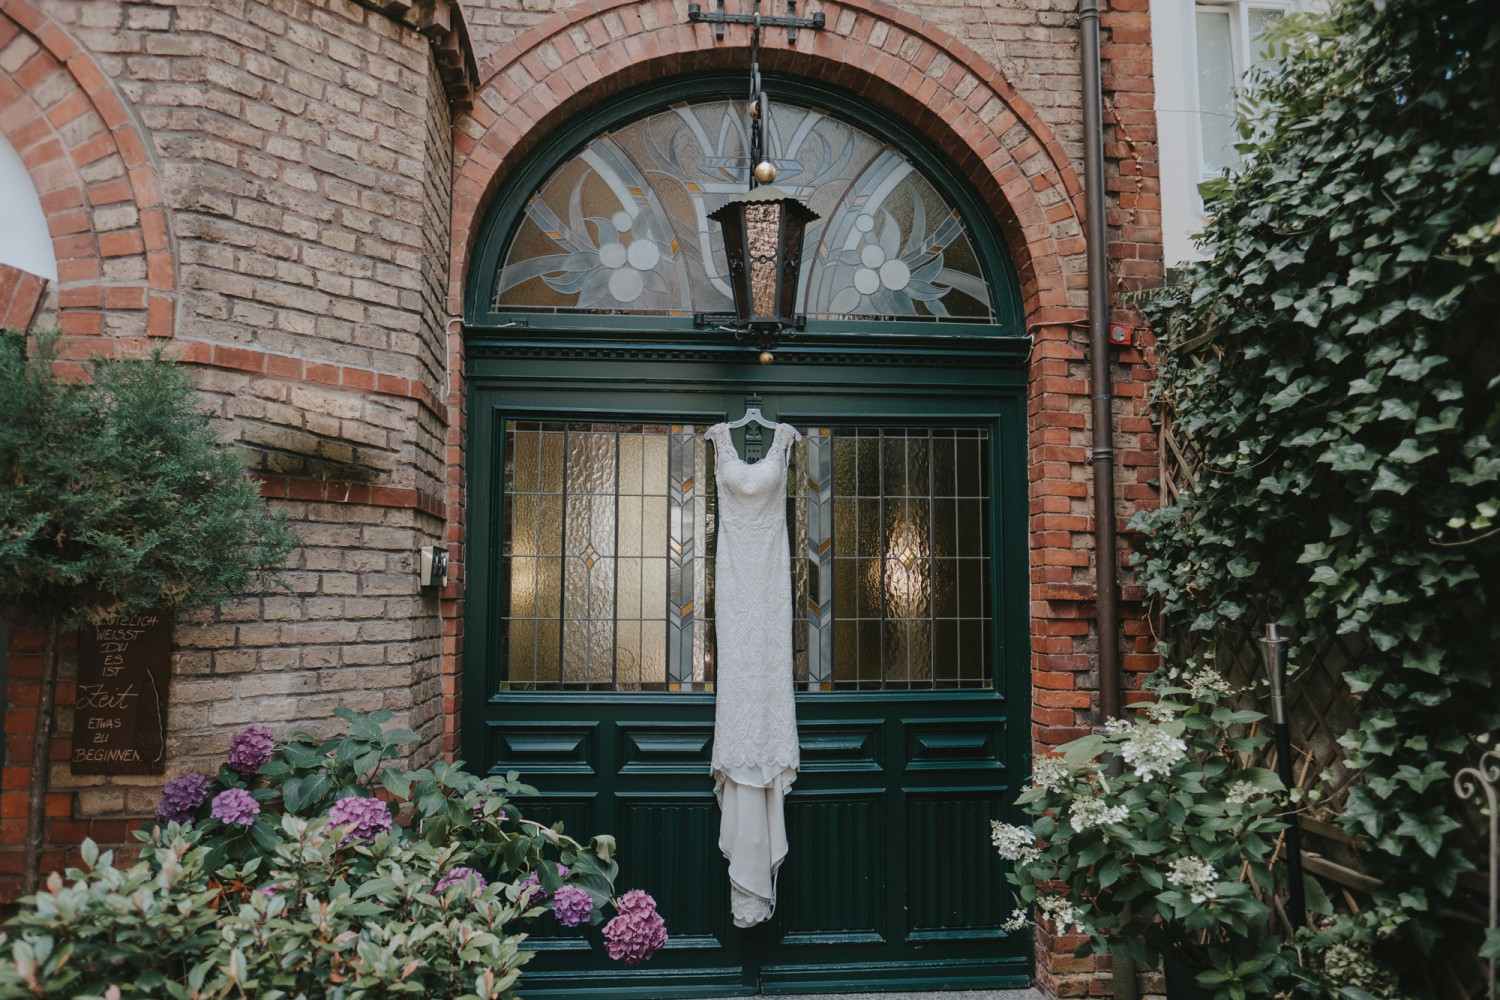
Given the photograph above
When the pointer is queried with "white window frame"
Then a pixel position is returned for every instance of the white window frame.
(1179, 115)
(1242, 49)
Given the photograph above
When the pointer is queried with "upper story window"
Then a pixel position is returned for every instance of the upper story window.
(1230, 41)
(621, 227)
(1203, 54)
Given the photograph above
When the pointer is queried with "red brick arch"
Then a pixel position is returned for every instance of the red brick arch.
(591, 51)
(92, 169)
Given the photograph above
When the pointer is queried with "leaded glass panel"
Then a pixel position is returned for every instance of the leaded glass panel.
(623, 227)
(607, 547)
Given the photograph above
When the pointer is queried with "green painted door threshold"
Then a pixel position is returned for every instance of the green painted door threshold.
(1024, 994)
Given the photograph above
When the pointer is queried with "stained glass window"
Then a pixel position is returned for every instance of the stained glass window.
(622, 227)
(607, 546)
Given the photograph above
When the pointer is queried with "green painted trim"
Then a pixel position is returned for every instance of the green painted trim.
(505, 211)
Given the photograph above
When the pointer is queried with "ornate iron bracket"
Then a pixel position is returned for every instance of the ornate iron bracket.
(1468, 783)
(791, 22)
(764, 338)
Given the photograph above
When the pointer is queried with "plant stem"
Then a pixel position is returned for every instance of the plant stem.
(41, 762)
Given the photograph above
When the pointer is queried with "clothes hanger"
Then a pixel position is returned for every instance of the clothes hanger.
(753, 415)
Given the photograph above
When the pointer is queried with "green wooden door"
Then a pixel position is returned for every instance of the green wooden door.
(890, 882)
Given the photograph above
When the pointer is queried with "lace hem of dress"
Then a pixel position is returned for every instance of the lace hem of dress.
(747, 908)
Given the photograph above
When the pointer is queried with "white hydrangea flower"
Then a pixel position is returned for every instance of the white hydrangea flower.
(1014, 843)
(1063, 913)
(1196, 875)
(1050, 772)
(1151, 751)
(1090, 810)
(1018, 920)
(1158, 712)
(1241, 792)
(1208, 681)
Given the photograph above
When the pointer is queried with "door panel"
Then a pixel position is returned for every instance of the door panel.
(890, 881)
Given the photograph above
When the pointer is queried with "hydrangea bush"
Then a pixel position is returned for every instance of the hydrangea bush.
(1152, 837)
(313, 868)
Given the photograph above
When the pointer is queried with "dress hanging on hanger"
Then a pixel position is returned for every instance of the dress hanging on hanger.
(755, 755)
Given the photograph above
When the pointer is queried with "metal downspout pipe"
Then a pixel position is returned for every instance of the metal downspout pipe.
(1102, 455)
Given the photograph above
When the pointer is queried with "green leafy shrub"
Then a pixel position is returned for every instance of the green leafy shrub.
(1349, 429)
(313, 869)
(1152, 837)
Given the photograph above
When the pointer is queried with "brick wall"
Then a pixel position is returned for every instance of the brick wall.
(299, 155)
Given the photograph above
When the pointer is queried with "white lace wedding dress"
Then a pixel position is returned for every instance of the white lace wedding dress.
(755, 757)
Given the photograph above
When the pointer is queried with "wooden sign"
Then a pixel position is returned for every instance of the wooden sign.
(120, 712)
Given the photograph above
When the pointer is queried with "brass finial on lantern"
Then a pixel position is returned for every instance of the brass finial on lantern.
(765, 172)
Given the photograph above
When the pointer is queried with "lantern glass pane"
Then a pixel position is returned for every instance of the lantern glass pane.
(762, 232)
(623, 227)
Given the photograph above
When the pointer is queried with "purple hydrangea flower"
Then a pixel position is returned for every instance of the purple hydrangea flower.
(533, 882)
(235, 806)
(250, 749)
(181, 799)
(456, 876)
(571, 905)
(365, 817)
(638, 932)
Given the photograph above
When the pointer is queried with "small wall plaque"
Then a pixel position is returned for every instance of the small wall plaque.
(120, 712)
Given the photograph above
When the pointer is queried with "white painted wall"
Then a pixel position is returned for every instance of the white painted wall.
(24, 240)
(1175, 63)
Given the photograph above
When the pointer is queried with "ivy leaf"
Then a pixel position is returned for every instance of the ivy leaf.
(1410, 452)
(1427, 828)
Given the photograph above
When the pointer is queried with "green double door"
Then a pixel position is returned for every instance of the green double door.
(590, 652)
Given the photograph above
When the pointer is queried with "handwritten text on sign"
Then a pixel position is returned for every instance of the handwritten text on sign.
(120, 713)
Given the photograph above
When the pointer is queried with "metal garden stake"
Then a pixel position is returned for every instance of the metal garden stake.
(1273, 648)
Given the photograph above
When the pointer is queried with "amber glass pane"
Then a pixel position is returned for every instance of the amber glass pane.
(910, 558)
(593, 516)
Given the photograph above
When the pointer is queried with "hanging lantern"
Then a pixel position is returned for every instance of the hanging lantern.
(763, 242)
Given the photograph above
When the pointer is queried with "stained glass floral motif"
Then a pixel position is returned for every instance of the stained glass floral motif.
(623, 226)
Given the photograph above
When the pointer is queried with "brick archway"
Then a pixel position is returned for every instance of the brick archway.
(91, 166)
(591, 51)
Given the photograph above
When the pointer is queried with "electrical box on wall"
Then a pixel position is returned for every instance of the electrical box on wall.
(434, 566)
(1121, 336)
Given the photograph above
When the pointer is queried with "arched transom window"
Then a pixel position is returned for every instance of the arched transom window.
(622, 226)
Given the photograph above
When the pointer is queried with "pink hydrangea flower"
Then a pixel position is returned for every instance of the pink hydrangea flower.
(456, 876)
(250, 749)
(235, 806)
(638, 932)
(571, 905)
(366, 818)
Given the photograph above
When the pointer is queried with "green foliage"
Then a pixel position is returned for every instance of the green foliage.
(168, 927)
(1167, 854)
(1351, 430)
(115, 494)
(440, 805)
(292, 905)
